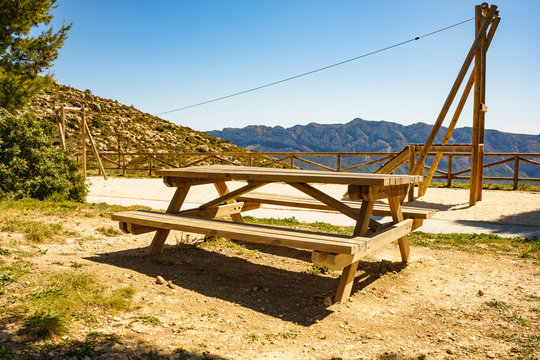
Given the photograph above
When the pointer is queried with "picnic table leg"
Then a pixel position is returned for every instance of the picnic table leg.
(222, 189)
(174, 207)
(346, 281)
(397, 216)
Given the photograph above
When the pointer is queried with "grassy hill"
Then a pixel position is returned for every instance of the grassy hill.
(118, 127)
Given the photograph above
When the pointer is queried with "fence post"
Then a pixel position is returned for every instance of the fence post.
(516, 172)
(250, 160)
(123, 164)
(150, 165)
(338, 163)
(292, 161)
(449, 174)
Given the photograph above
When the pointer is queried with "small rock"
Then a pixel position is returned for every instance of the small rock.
(170, 284)
(160, 280)
(490, 355)
(449, 351)
(116, 318)
(138, 328)
(327, 301)
(480, 293)
(95, 107)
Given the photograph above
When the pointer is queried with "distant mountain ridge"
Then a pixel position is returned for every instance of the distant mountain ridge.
(361, 135)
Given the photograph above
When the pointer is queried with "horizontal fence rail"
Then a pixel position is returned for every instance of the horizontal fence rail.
(331, 161)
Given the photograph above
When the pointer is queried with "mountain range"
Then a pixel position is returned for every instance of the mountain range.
(361, 135)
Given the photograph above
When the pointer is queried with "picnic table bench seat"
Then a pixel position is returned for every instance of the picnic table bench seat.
(336, 251)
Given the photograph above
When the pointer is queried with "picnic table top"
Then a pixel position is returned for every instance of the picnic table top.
(227, 172)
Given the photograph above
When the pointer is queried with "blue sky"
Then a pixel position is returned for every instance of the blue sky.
(163, 55)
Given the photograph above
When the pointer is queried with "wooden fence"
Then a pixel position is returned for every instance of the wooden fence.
(149, 162)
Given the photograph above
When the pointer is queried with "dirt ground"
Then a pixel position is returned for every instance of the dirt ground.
(223, 303)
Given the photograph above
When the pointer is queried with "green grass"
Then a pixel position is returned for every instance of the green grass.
(314, 269)
(498, 304)
(516, 318)
(62, 208)
(287, 335)
(44, 324)
(528, 248)
(293, 223)
(486, 186)
(35, 231)
(529, 344)
(239, 249)
(108, 231)
(74, 295)
(45, 221)
(145, 320)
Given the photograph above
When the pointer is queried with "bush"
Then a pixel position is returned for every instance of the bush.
(30, 166)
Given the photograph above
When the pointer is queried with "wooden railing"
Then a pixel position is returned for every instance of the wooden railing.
(335, 161)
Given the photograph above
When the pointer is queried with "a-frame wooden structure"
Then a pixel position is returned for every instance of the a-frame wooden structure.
(85, 131)
(486, 21)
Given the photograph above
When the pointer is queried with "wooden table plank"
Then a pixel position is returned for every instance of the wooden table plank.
(225, 172)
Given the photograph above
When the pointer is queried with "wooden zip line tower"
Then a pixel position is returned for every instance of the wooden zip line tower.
(486, 21)
(61, 121)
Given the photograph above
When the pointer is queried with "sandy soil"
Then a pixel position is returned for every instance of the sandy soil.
(269, 305)
(229, 304)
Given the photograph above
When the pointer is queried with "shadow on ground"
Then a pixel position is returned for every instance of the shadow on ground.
(105, 347)
(292, 296)
(96, 346)
(523, 218)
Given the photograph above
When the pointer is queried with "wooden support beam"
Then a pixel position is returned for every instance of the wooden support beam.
(374, 243)
(412, 155)
(397, 217)
(68, 108)
(459, 109)
(476, 108)
(482, 109)
(449, 172)
(83, 142)
(357, 192)
(96, 152)
(454, 89)
(394, 163)
(227, 196)
(346, 281)
(174, 207)
(326, 199)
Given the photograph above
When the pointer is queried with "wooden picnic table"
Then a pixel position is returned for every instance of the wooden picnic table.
(335, 251)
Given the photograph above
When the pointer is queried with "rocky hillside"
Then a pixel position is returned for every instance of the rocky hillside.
(115, 126)
(376, 136)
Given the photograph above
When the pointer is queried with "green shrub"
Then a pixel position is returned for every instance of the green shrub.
(30, 166)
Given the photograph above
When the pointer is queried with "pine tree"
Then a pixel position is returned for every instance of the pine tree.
(25, 59)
